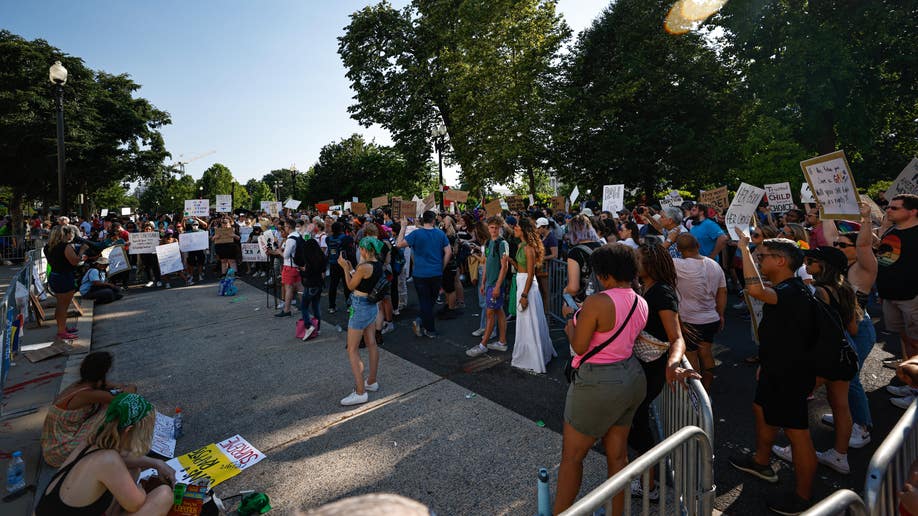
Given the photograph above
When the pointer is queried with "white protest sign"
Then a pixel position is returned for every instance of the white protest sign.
(224, 203)
(292, 204)
(806, 195)
(253, 253)
(169, 258)
(197, 207)
(125, 211)
(104, 212)
(216, 462)
(336, 207)
(833, 186)
(347, 205)
(613, 198)
(193, 241)
(244, 233)
(906, 182)
(163, 442)
(742, 209)
(144, 243)
(780, 199)
(272, 208)
(117, 260)
(354, 199)
(575, 193)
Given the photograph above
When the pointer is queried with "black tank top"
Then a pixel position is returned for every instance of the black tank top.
(52, 505)
(366, 285)
(58, 259)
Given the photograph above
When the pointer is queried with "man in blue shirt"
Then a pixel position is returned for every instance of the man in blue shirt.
(711, 239)
(431, 252)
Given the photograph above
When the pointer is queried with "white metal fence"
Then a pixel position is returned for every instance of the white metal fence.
(843, 501)
(888, 469)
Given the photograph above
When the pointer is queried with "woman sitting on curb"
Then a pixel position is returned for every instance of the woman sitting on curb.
(93, 285)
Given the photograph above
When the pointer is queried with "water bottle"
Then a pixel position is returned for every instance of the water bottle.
(589, 290)
(177, 424)
(544, 493)
(15, 473)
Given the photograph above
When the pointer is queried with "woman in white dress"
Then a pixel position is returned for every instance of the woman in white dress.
(532, 349)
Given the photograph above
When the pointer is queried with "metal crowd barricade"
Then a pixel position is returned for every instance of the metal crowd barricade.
(557, 280)
(10, 311)
(889, 466)
(13, 248)
(681, 405)
(690, 453)
(843, 501)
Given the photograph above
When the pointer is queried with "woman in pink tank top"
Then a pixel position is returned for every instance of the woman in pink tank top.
(608, 386)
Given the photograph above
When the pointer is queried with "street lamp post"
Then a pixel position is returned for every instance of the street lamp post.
(438, 133)
(58, 76)
(200, 192)
(293, 179)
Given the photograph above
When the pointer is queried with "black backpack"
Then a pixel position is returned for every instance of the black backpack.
(381, 288)
(316, 262)
(833, 356)
(299, 251)
(586, 272)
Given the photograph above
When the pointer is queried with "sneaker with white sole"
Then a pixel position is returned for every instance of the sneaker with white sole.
(476, 351)
(159, 283)
(479, 332)
(903, 402)
(388, 327)
(860, 437)
(828, 419)
(149, 284)
(372, 387)
(497, 346)
(899, 390)
(354, 399)
(637, 490)
(309, 332)
(783, 452)
(834, 460)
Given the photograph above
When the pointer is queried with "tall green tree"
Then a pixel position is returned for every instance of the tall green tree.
(258, 191)
(218, 180)
(168, 193)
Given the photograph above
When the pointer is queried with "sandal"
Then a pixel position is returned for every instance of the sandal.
(67, 336)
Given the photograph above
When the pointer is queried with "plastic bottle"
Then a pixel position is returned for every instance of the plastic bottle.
(15, 473)
(544, 493)
(590, 289)
(177, 430)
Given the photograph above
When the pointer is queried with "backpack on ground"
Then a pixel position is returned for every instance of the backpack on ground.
(299, 251)
(833, 356)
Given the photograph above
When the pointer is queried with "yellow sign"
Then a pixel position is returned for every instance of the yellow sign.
(216, 462)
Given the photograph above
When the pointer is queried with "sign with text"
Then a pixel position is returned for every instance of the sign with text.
(224, 203)
(806, 195)
(396, 205)
(169, 257)
(104, 212)
(144, 243)
(224, 236)
(575, 193)
(322, 207)
(270, 207)
(830, 179)
(125, 211)
(379, 202)
(253, 253)
(244, 233)
(780, 198)
(408, 208)
(494, 208)
(717, 198)
(193, 241)
(742, 209)
(292, 204)
(117, 260)
(216, 462)
(516, 202)
(558, 203)
(163, 442)
(456, 195)
(360, 208)
(197, 207)
(613, 198)
(906, 182)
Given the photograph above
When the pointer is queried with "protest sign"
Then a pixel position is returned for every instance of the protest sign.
(292, 204)
(906, 182)
(780, 199)
(104, 212)
(354, 199)
(756, 309)
(493, 208)
(742, 209)
(244, 233)
(169, 257)
(558, 203)
(806, 195)
(456, 195)
(516, 202)
(360, 208)
(347, 205)
(224, 236)
(429, 202)
(396, 205)
(125, 211)
(197, 207)
(163, 442)
(717, 198)
(408, 209)
(117, 259)
(224, 203)
(379, 202)
(144, 243)
(613, 198)
(193, 241)
(336, 207)
(830, 179)
(322, 207)
(575, 193)
(270, 207)
(216, 462)
(253, 253)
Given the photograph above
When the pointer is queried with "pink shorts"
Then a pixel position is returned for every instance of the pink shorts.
(290, 275)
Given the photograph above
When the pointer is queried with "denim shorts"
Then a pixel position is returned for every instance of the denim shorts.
(363, 313)
(61, 283)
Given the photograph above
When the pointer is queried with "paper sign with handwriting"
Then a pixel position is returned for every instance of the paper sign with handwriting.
(493, 208)
(292, 204)
(224, 203)
(117, 260)
(832, 183)
(379, 202)
(216, 462)
(456, 195)
(742, 209)
(717, 198)
(613, 198)
(575, 193)
(193, 241)
(169, 258)
(780, 199)
(360, 208)
(253, 253)
(197, 207)
(144, 243)
(906, 182)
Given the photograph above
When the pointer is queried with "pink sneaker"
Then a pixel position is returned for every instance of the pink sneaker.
(67, 336)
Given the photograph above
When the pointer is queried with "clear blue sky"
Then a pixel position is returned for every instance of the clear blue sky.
(258, 81)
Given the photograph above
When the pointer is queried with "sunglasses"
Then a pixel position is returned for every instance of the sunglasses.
(842, 245)
(894, 208)
(755, 235)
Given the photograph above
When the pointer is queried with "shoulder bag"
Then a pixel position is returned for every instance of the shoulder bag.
(570, 371)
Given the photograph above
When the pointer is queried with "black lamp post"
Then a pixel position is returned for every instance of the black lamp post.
(438, 133)
(293, 180)
(58, 76)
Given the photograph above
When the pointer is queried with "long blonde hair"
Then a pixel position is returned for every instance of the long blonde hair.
(136, 441)
(63, 233)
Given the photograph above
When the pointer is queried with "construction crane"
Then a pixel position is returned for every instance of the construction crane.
(181, 163)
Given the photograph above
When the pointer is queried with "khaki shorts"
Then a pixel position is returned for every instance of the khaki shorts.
(605, 395)
(901, 316)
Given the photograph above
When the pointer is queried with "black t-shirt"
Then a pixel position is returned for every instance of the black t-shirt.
(659, 297)
(57, 258)
(897, 260)
(787, 330)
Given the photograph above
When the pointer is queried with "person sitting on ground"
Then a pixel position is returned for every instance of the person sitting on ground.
(93, 285)
(78, 409)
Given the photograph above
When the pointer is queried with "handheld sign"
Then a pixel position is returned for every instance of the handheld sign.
(493, 208)
(125, 211)
(117, 260)
(360, 208)
(613, 198)
(224, 236)
(742, 209)
(558, 203)
(253, 253)
(780, 199)
(292, 204)
(197, 207)
(408, 208)
(143, 243)
(516, 202)
(830, 179)
(104, 212)
(224, 203)
(806, 195)
(906, 182)
(575, 193)
(169, 257)
(379, 202)
(193, 241)
(718, 198)
(244, 233)
(456, 195)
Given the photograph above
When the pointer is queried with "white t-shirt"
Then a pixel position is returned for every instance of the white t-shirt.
(699, 280)
(290, 248)
(803, 274)
(628, 242)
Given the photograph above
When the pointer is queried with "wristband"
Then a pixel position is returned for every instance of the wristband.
(524, 295)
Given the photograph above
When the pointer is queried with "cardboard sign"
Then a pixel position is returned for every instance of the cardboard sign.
(143, 243)
(718, 198)
(833, 185)
(379, 202)
(270, 207)
(494, 208)
(429, 203)
(169, 257)
(516, 202)
(360, 208)
(253, 252)
(197, 207)
(456, 195)
(292, 204)
(104, 212)
(906, 182)
(806, 195)
(575, 193)
(558, 203)
(125, 211)
(408, 209)
(224, 236)
(193, 241)
(224, 203)
(613, 198)
(216, 462)
(780, 198)
(742, 209)
(117, 260)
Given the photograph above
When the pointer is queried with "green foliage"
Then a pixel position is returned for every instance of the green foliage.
(114, 197)
(258, 191)
(167, 194)
(768, 155)
(218, 180)
(880, 187)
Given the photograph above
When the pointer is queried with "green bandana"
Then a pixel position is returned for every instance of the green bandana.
(128, 409)
(372, 243)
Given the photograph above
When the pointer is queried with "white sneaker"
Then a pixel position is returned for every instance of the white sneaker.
(860, 437)
(479, 332)
(309, 332)
(168, 285)
(387, 328)
(189, 283)
(637, 490)
(149, 284)
(396, 312)
(783, 452)
(159, 283)
(740, 306)
(372, 387)
(901, 390)
(476, 351)
(828, 419)
(834, 460)
(280, 306)
(354, 399)
(903, 402)
(497, 346)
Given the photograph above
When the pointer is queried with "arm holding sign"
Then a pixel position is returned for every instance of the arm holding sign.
(866, 259)
(751, 277)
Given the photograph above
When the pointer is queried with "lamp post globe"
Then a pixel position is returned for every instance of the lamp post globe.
(57, 74)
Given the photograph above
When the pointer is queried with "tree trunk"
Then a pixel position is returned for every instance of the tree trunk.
(16, 213)
(532, 181)
(827, 138)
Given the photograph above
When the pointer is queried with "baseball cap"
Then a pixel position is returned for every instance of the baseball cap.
(586, 211)
(511, 220)
(541, 222)
(832, 256)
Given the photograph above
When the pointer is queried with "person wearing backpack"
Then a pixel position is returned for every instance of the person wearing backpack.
(785, 376)
(584, 241)
(338, 244)
(312, 276)
(290, 273)
(491, 287)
